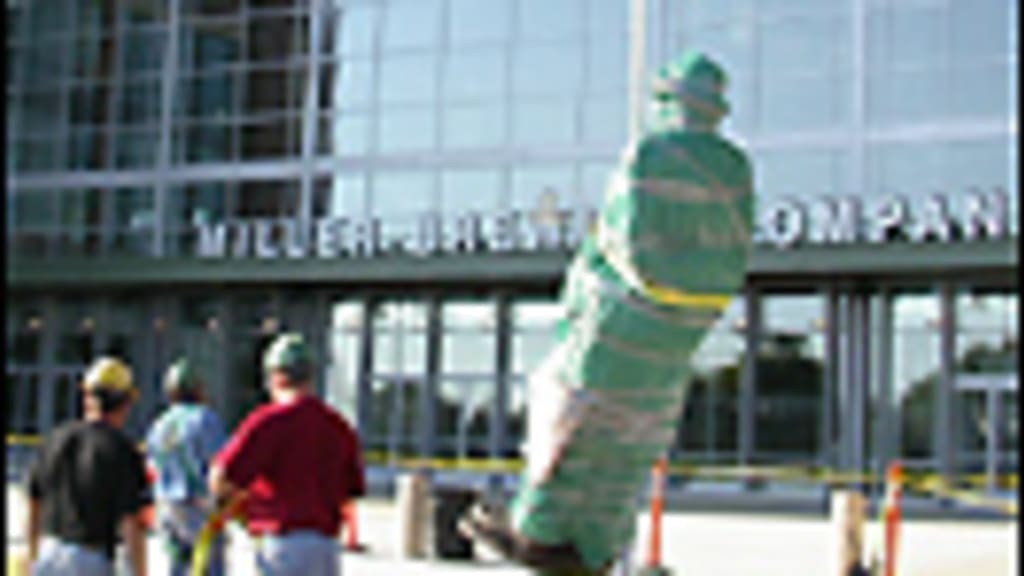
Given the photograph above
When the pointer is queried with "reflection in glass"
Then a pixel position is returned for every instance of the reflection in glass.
(916, 369)
(987, 383)
(341, 373)
(465, 410)
(709, 424)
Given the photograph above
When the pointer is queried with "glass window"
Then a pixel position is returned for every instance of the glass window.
(808, 44)
(987, 365)
(133, 220)
(143, 51)
(981, 89)
(277, 89)
(608, 60)
(916, 32)
(800, 173)
(35, 155)
(355, 29)
(465, 191)
(593, 183)
(45, 62)
(341, 382)
(474, 127)
(978, 163)
(905, 167)
(710, 414)
(402, 195)
(915, 374)
(407, 129)
(270, 138)
(798, 101)
(464, 412)
(208, 142)
(41, 112)
(544, 122)
(700, 14)
(550, 20)
(408, 79)
(469, 342)
(472, 21)
(400, 339)
(278, 38)
(474, 75)
(257, 198)
(533, 336)
(137, 148)
(412, 24)
(542, 188)
(349, 135)
(214, 44)
(348, 196)
(352, 88)
(34, 209)
(87, 149)
(77, 321)
(980, 30)
(605, 120)
(207, 96)
(548, 69)
(140, 103)
(790, 369)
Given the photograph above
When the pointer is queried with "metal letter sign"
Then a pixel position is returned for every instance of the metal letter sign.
(789, 223)
(785, 224)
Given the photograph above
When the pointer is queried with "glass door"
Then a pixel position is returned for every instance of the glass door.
(399, 393)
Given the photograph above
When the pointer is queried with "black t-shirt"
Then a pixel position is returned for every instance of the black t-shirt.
(87, 477)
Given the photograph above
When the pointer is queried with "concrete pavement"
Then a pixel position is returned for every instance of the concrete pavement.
(695, 544)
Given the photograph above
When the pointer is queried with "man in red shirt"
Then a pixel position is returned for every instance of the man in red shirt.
(298, 461)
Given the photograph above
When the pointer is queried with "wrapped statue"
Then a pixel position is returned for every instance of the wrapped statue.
(668, 253)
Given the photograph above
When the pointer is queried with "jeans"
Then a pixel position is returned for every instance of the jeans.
(180, 524)
(59, 558)
(299, 553)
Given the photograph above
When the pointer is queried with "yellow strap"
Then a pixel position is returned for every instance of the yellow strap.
(661, 294)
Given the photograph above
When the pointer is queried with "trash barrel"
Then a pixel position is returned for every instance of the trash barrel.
(450, 503)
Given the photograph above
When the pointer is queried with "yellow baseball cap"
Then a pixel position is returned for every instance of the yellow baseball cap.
(109, 374)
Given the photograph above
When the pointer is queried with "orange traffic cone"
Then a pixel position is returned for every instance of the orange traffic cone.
(351, 520)
(659, 476)
(892, 515)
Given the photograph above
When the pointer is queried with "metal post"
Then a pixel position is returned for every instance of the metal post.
(310, 120)
(748, 379)
(861, 386)
(364, 398)
(637, 65)
(992, 425)
(168, 79)
(886, 448)
(945, 427)
(502, 372)
(428, 403)
(826, 441)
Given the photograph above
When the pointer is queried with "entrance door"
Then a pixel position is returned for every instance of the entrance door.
(400, 397)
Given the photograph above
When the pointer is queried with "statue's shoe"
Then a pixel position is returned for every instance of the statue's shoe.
(487, 525)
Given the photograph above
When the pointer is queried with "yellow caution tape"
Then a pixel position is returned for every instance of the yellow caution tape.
(922, 483)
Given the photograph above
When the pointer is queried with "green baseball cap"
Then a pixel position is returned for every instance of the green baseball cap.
(181, 376)
(695, 79)
(287, 352)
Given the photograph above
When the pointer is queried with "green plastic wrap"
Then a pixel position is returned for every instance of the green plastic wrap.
(668, 253)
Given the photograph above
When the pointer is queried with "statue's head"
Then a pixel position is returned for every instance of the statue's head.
(692, 86)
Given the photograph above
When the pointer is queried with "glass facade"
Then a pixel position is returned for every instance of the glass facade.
(135, 126)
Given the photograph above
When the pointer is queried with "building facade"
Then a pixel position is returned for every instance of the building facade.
(404, 181)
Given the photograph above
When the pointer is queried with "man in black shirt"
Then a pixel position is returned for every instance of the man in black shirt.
(89, 484)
